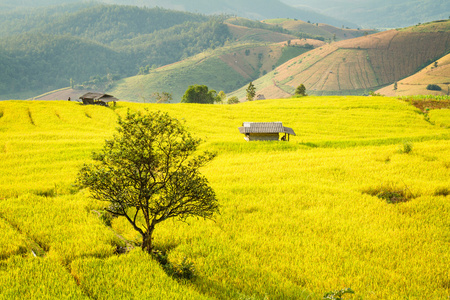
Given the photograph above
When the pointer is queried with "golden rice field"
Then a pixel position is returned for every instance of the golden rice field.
(298, 219)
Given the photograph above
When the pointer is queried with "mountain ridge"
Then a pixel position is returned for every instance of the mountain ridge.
(253, 9)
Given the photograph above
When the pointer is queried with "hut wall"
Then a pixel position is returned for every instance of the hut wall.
(263, 137)
(88, 101)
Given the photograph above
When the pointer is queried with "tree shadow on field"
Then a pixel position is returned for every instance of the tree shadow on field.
(197, 282)
(224, 291)
(166, 247)
(218, 290)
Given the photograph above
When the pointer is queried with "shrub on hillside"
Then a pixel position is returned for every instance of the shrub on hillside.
(433, 87)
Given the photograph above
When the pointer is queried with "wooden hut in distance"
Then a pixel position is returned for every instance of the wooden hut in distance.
(265, 131)
(98, 99)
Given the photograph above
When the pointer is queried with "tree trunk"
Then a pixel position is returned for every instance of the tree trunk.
(147, 242)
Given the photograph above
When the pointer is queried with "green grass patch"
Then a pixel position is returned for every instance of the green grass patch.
(291, 52)
(210, 71)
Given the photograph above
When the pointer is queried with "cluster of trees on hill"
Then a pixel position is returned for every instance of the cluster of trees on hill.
(203, 95)
(48, 49)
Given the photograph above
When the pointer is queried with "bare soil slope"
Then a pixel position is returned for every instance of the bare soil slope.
(359, 65)
(437, 73)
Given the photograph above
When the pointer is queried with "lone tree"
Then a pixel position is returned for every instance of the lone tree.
(149, 173)
(199, 94)
(251, 91)
(300, 90)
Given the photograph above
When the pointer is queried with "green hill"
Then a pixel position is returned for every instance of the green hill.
(25, 19)
(36, 62)
(252, 9)
(53, 46)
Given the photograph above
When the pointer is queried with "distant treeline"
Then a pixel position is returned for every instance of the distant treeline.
(55, 47)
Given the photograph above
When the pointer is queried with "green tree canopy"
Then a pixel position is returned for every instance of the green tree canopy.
(300, 90)
(148, 173)
(233, 100)
(199, 94)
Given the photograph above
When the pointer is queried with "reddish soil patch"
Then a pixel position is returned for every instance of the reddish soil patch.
(423, 105)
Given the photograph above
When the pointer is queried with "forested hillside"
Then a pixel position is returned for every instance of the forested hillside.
(253, 9)
(109, 23)
(26, 19)
(41, 61)
(48, 48)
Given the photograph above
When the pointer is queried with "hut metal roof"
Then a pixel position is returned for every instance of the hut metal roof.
(265, 127)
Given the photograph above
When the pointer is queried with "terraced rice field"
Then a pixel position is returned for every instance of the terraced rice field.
(298, 218)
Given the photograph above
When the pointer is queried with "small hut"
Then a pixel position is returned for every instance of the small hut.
(98, 99)
(265, 131)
